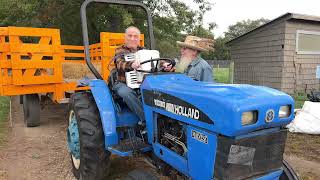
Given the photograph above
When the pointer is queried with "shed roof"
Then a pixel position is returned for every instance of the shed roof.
(285, 17)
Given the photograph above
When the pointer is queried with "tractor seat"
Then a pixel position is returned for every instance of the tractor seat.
(116, 98)
(112, 81)
(112, 78)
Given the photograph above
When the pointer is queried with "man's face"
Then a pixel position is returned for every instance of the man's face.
(132, 38)
(186, 52)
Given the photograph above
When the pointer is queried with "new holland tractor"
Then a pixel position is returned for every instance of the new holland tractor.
(194, 130)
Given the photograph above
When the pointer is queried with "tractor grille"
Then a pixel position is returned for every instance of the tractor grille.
(248, 157)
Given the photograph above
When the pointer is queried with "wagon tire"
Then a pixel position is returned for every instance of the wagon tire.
(31, 110)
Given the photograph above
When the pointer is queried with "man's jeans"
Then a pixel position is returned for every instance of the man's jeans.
(130, 98)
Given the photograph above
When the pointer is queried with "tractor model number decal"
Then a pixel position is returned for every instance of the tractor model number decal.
(199, 136)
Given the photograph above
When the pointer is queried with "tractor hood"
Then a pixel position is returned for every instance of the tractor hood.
(213, 106)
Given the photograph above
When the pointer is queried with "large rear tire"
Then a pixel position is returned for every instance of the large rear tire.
(31, 110)
(288, 172)
(92, 162)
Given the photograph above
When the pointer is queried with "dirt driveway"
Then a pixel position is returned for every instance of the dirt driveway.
(41, 152)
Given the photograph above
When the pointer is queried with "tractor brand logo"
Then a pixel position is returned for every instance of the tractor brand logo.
(199, 136)
(174, 105)
(269, 115)
(177, 109)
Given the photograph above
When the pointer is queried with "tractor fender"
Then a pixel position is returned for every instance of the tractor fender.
(105, 104)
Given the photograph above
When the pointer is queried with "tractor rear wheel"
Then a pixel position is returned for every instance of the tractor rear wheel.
(288, 172)
(85, 137)
(31, 110)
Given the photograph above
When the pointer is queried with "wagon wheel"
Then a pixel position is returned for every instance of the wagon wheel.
(31, 110)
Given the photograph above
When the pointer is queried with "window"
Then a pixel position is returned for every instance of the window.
(308, 42)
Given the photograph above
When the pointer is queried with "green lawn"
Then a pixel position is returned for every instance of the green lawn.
(4, 109)
(221, 75)
(299, 99)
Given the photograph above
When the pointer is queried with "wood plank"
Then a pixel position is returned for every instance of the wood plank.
(27, 31)
(33, 64)
(73, 55)
(12, 90)
(4, 31)
(71, 47)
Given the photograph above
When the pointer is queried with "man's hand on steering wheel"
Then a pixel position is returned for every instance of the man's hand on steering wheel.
(135, 65)
(170, 63)
(167, 66)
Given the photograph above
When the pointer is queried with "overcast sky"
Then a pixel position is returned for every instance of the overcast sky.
(228, 12)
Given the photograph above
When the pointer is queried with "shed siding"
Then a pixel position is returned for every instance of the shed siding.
(303, 67)
(259, 57)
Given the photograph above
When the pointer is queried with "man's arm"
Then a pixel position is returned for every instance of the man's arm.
(206, 75)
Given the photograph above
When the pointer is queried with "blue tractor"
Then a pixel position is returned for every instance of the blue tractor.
(194, 130)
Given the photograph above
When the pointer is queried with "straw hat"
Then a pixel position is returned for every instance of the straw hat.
(196, 43)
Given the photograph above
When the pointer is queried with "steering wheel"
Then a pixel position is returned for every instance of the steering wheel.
(156, 69)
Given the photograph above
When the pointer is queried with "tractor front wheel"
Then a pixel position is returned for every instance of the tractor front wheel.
(85, 138)
(288, 172)
(31, 110)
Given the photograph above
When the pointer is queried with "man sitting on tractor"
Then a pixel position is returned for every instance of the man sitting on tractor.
(131, 45)
(190, 62)
(131, 40)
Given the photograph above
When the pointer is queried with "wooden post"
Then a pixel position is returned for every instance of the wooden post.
(231, 72)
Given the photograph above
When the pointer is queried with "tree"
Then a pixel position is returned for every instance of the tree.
(171, 18)
(243, 27)
(221, 50)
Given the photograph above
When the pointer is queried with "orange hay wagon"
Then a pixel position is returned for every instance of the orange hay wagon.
(32, 60)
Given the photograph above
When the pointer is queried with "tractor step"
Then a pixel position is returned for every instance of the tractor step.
(128, 147)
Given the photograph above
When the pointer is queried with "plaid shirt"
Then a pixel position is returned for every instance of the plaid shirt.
(122, 65)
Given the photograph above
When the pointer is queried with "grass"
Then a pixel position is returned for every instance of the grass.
(4, 109)
(221, 75)
(299, 99)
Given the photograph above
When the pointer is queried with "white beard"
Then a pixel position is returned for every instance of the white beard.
(183, 64)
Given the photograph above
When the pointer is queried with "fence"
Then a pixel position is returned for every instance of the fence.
(223, 70)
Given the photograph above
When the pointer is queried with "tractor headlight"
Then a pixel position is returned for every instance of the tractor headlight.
(284, 111)
(249, 117)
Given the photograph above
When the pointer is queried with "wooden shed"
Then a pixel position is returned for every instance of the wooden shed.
(283, 54)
